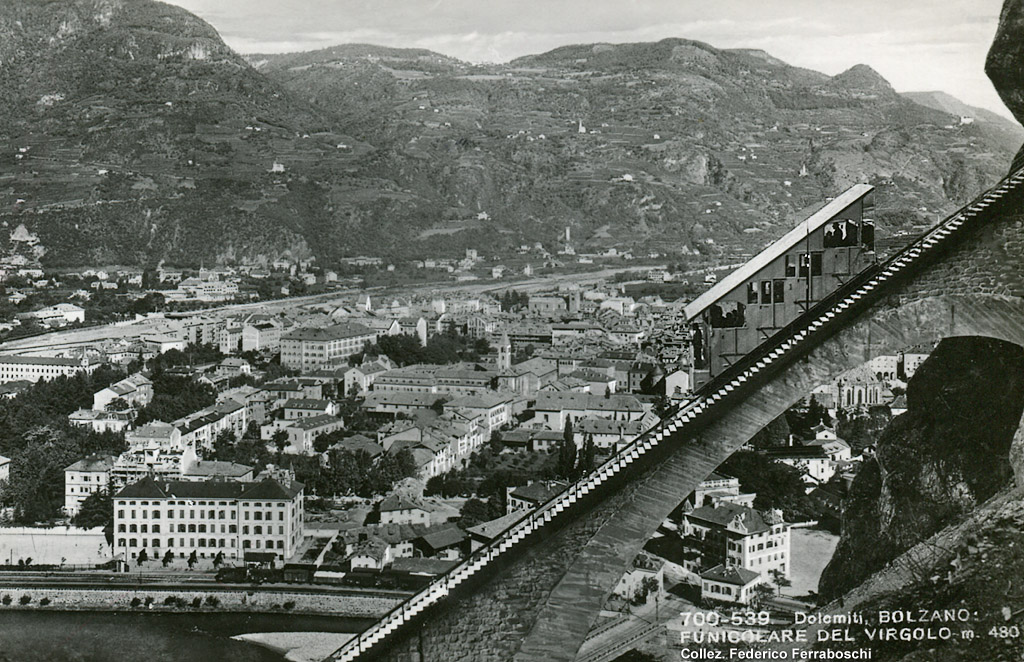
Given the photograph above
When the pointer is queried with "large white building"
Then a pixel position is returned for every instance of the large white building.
(456, 380)
(310, 348)
(817, 459)
(203, 290)
(495, 409)
(136, 390)
(729, 584)
(302, 432)
(885, 367)
(35, 368)
(60, 314)
(208, 518)
(101, 421)
(199, 429)
(737, 536)
(911, 362)
(552, 408)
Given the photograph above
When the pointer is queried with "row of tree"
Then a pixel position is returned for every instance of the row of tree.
(346, 472)
(443, 348)
(575, 463)
(36, 436)
(513, 300)
(35, 486)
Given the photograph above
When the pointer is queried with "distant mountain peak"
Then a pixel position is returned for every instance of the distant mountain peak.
(1004, 129)
(864, 78)
(668, 52)
(109, 28)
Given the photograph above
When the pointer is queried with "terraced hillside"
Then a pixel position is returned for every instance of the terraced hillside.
(131, 134)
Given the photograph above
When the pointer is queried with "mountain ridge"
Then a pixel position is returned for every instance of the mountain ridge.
(134, 135)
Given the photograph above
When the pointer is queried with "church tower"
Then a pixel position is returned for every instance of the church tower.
(504, 354)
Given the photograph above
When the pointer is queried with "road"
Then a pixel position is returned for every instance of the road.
(644, 622)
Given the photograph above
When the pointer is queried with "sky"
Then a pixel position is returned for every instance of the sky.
(917, 45)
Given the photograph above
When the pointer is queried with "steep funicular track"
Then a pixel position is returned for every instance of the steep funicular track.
(787, 345)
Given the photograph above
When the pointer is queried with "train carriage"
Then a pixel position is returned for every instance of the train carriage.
(781, 282)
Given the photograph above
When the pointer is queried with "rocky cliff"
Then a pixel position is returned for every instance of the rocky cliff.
(949, 452)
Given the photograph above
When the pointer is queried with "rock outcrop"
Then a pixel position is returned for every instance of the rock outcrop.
(1005, 63)
(948, 453)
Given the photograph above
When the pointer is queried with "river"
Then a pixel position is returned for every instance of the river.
(52, 636)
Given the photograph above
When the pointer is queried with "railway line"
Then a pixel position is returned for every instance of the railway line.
(176, 582)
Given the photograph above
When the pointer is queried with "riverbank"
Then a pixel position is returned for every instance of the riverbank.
(61, 636)
(263, 600)
(298, 646)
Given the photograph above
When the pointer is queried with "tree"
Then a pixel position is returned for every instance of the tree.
(223, 444)
(567, 452)
(252, 431)
(774, 434)
(118, 404)
(861, 429)
(474, 511)
(174, 397)
(779, 579)
(588, 457)
(96, 510)
(512, 300)
(817, 414)
(218, 560)
(347, 472)
(647, 586)
(763, 593)
(192, 559)
(448, 484)
(388, 470)
(143, 557)
(280, 440)
(495, 444)
(322, 443)
(168, 557)
(777, 485)
(36, 485)
(249, 451)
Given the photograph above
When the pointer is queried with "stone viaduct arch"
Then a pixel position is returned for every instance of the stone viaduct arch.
(539, 606)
